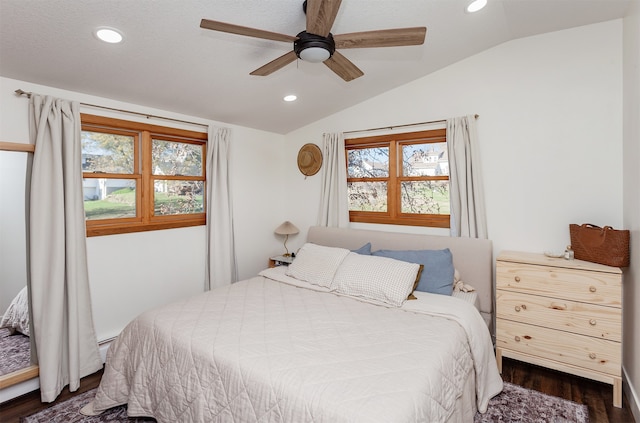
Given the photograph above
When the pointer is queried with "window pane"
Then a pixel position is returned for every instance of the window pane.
(429, 159)
(425, 197)
(108, 153)
(178, 197)
(368, 163)
(176, 158)
(109, 198)
(367, 196)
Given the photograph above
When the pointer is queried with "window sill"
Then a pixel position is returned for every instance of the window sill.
(101, 230)
(432, 222)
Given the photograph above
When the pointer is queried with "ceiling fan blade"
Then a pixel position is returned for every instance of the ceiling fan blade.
(243, 30)
(320, 16)
(276, 64)
(382, 38)
(343, 67)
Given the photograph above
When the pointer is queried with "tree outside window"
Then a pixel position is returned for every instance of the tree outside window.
(399, 179)
(139, 177)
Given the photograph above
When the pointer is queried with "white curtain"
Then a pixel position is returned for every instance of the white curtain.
(220, 268)
(334, 205)
(468, 216)
(62, 321)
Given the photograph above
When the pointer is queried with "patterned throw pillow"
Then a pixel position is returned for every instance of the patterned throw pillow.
(316, 264)
(437, 276)
(379, 279)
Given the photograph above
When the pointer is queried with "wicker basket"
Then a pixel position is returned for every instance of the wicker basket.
(606, 245)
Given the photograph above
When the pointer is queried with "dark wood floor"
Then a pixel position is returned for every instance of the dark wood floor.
(11, 411)
(597, 396)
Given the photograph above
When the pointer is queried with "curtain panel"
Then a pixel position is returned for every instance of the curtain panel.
(334, 204)
(62, 320)
(468, 215)
(220, 266)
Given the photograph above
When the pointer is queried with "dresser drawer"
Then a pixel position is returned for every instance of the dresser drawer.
(577, 350)
(583, 318)
(570, 284)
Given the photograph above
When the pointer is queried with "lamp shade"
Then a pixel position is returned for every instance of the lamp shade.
(287, 228)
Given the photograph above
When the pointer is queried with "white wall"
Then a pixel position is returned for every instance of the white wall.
(631, 150)
(550, 131)
(130, 273)
(551, 135)
(551, 138)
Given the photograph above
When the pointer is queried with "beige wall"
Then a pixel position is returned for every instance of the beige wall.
(631, 202)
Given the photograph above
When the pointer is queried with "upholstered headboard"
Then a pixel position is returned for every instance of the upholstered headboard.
(471, 256)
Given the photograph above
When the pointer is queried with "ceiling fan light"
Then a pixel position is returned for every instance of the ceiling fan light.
(314, 54)
(314, 48)
(476, 5)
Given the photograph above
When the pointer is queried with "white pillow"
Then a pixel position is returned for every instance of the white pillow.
(316, 264)
(376, 278)
(16, 318)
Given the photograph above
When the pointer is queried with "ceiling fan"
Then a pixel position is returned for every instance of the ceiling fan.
(317, 44)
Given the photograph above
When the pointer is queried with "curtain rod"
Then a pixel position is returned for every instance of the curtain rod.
(400, 126)
(147, 115)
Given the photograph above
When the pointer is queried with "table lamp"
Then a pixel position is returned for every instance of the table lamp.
(286, 229)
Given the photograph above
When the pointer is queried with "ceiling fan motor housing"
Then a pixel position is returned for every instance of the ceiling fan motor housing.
(306, 40)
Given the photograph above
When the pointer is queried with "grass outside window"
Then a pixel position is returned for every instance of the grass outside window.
(139, 177)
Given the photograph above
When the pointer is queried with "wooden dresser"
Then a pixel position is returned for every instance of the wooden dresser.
(561, 314)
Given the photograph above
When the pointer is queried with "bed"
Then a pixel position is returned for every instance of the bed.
(316, 342)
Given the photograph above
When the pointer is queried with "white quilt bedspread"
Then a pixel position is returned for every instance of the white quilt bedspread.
(266, 351)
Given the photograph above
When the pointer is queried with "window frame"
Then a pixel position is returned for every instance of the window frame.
(394, 215)
(144, 133)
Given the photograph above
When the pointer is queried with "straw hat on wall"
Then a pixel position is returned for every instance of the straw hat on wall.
(309, 159)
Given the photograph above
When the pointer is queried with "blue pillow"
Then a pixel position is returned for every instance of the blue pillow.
(364, 250)
(437, 276)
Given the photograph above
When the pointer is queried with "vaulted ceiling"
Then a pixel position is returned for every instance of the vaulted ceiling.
(167, 61)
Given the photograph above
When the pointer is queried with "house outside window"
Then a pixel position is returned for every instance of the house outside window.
(140, 177)
(400, 179)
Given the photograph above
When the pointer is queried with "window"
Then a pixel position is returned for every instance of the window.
(140, 177)
(400, 179)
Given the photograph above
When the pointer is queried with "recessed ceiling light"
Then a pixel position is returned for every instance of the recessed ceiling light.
(290, 97)
(108, 35)
(476, 5)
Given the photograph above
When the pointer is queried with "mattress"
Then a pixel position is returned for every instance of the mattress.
(274, 350)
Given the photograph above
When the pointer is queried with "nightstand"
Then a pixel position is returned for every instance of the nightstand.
(562, 314)
(280, 261)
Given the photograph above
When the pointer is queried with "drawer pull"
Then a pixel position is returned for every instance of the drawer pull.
(592, 356)
(592, 322)
(592, 288)
(558, 306)
(517, 308)
(517, 338)
(517, 278)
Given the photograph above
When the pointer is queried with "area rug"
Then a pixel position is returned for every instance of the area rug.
(514, 404)
(518, 404)
(15, 352)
